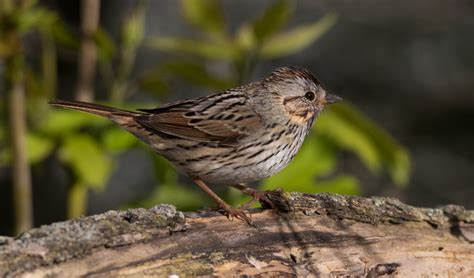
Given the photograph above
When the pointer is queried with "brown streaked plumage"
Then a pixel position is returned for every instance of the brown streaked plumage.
(232, 137)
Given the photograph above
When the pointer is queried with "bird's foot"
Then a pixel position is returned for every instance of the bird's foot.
(260, 196)
(236, 213)
(224, 208)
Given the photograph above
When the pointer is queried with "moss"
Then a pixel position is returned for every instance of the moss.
(79, 237)
(374, 210)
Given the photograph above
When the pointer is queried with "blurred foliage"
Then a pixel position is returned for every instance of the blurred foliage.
(87, 144)
(19, 19)
(60, 132)
(116, 59)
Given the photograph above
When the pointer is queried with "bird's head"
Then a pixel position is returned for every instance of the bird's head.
(301, 92)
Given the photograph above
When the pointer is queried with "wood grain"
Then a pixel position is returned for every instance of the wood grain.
(313, 235)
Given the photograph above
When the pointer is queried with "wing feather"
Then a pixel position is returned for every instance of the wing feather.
(225, 117)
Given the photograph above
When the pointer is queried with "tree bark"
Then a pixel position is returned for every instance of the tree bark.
(22, 191)
(322, 235)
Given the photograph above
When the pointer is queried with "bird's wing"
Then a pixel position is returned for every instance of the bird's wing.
(224, 117)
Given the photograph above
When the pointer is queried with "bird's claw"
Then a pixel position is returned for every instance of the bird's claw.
(237, 213)
(260, 196)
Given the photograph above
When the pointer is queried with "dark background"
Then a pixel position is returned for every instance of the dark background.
(408, 65)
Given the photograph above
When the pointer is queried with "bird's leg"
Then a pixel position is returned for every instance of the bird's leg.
(256, 196)
(229, 211)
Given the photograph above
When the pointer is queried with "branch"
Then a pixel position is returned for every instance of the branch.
(90, 13)
(21, 174)
(322, 234)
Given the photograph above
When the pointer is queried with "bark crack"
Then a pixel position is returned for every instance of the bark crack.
(312, 233)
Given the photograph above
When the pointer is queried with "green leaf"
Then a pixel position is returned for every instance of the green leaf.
(394, 157)
(169, 190)
(88, 161)
(245, 37)
(165, 172)
(61, 121)
(105, 45)
(216, 50)
(341, 184)
(77, 200)
(64, 36)
(30, 19)
(353, 131)
(207, 15)
(399, 166)
(347, 136)
(133, 28)
(180, 196)
(317, 157)
(273, 19)
(38, 147)
(290, 42)
(117, 140)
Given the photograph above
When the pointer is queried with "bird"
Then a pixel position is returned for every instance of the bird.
(233, 137)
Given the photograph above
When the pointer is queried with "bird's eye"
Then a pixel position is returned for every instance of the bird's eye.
(309, 96)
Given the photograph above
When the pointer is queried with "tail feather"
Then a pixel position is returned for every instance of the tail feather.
(97, 109)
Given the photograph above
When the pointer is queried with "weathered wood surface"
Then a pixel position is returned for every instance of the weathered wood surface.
(322, 235)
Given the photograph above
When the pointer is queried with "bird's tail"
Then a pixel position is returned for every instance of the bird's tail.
(124, 118)
(97, 109)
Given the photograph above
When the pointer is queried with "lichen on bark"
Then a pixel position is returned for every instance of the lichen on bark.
(309, 234)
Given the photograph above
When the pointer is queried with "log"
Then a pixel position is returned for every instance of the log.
(323, 235)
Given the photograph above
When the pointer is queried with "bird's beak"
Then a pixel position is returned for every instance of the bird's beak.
(330, 99)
